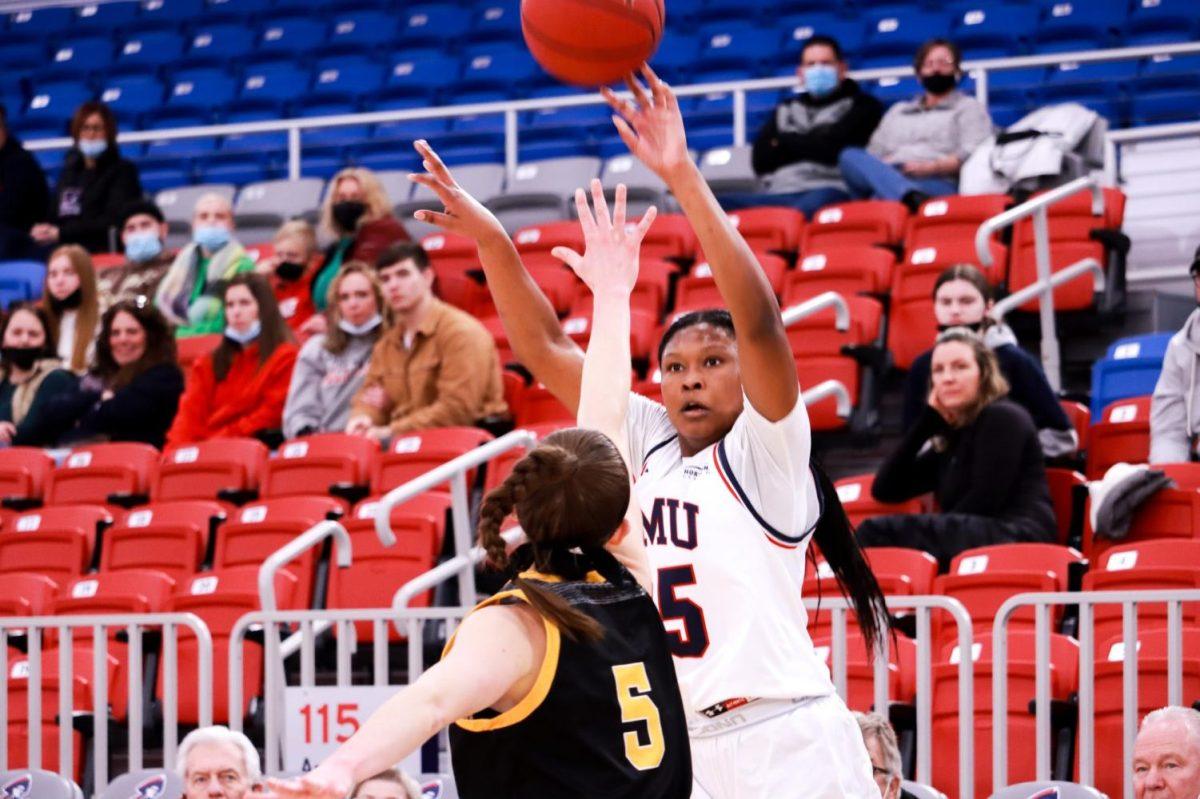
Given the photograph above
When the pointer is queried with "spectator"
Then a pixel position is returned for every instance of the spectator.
(976, 451)
(881, 743)
(190, 293)
(1166, 755)
(1174, 410)
(390, 784)
(962, 297)
(69, 299)
(796, 152)
(24, 196)
(290, 270)
(919, 147)
(132, 391)
(358, 213)
(218, 762)
(436, 366)
(332, 365)
(95, 184)
(239, 389)
(143, 238)
(31, 375)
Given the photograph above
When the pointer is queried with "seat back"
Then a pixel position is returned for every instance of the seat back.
(200, 471)
(128, 591)
(855, 223)
(1063, 484)
(311, 465)
(902, 571)
(56, 541)
(145, 784)
(37, 784)
(770, 227)
(1121, 435)
(23, 471)
(413, 454)
(168, 537)
(26, 594)
(91, 474)
(1048, 789)
(855, 494)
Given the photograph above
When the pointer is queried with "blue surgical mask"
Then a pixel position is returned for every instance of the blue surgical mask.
(143, 247)
(358, 330)
(820, 79)
(211, 237)
(93, 148)
(246, 336)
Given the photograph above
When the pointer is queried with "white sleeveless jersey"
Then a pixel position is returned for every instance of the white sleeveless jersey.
(726, 532)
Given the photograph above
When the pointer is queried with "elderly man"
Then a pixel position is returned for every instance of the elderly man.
(1166, 755)
(218, 763)
(190, 293)
(880, 739)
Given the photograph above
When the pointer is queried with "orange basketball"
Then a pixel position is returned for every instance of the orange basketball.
(592, 42)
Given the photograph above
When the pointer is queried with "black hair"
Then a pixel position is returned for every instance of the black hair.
(923, 53)
(403, 251)
(823, 41)
(717, 317)
(142, 206)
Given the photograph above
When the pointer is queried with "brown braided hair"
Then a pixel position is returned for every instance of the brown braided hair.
(571, 491)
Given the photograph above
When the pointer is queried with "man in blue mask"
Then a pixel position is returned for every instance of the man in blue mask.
(143, 237)
(796, 152)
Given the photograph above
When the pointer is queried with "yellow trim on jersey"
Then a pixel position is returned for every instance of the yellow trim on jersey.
(534, 574)
(541, 685)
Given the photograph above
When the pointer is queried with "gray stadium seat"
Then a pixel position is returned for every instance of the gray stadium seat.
(177, 205)
(262, 207)
(37, 784)
(540, 191)
(146, 784)
(1066, 790)
(643, 187)
(919, 790)
(396, 184)
(481, 181)
(728, 169)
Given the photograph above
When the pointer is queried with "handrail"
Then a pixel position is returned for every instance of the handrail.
(1065, 275)
(1032, 206)
(305, 541)
(1148, 132)
(814, 305)
(830, 388)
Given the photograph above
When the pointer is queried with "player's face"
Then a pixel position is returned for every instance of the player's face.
(701, 385)
(216, 771)
(381, 789)
(955, 375)
(1166, 763)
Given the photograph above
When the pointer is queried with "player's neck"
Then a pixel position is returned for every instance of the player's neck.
(693, 446)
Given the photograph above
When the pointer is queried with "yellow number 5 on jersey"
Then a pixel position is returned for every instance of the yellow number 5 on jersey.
(633, 689)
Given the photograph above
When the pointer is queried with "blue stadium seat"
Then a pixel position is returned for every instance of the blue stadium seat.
(561, 146)
(290, 35)
(132, 96)
(154, 48)
(480, 123)
(1079, 24)
(322, 161)
(1155, 108)
(253, 142)
(170, 12)
(994, 30)
(406, 132)
(56, 101)
(82, 55)
(22, 280)
(891, 90)
(158, 174)
(1089, 83)
(434, 23)
(723, 9)
(797, 30)
(105, 16)
(421, 73)
(236, 168)
(579, 117)
(900, 34)
(1170, 72)
(18, 52)
(226, 43)
(459, 154)
(495, 19)
(716, 108)
(683, 15)
(498, 66)
(203, 87)
(1161, 21)
(736, 45)
(346, 77)
(42, 21)
(386, 155)
(241, 9)
(165, 149)
(274, 83)
(356, 30)
(1130, 368)
(676, 56)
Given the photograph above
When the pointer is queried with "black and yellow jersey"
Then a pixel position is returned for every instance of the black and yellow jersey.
(603, 719)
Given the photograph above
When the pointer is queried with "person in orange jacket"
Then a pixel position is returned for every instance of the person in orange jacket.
(240, 389)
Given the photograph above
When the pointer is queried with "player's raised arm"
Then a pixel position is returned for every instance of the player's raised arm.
(652, 128)
(609, 267)
(533, 330)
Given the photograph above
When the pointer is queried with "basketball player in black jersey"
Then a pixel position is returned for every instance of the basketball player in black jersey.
(561, 686)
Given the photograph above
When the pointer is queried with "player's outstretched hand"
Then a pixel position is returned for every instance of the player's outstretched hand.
(652, 126)
(462, 213)
(325, 782)
(609, 264)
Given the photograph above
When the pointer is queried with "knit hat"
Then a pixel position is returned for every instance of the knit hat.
(136, 207)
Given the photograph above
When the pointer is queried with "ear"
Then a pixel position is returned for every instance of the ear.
(428, 275)
(622, 531)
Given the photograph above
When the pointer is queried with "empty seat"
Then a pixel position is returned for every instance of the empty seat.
(22, 781)
(221, 43)
(127, 591)
(814, 370)
(845, 270)
(769, 228)
(55, 541)
(817, 334)
(210, 469)
(860, 669)
(291, 35)
(26, 594)
(316, 464)
(1063, 484)
(268, 205)
(448, 245)
(902, 572)
(150, 48)
(499, 66)
(1121, 435)
(728, 170)
(433, 23)
(362, 29)
(1171, 513)
(671, 237)
(23, 472)
(987, 30)
(548, 235)
(101, 473)
(854, 223)
(169, 537)
(855, 495)
(1130, 368)
(956, 216)
(699, 289)
(413, 454)
(540, 190)
(643, 188)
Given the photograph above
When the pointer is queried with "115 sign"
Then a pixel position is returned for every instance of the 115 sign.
(317, 720)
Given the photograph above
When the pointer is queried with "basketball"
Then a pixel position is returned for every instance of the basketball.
(591, 42)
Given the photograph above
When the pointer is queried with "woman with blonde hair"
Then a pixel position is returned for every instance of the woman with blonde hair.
(70, 299)
(289, 271)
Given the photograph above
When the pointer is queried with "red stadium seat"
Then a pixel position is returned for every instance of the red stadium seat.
(168, 537)
(912, 329)
(860, 669)
(433, 505)
(846, 270)
(26, 594)
(317, 463)
(204, 470)
(126, 591)
(23, 472)
(1080, 418)
(902, 572)
(514, 390)
(855, 223)
(642, 326)
(958, 216)
(559, 284)
(413, 454)
(55, 541)
(817, 335)
(82, 673)
(1122, 436)
(92, 474)
(815, 370)
(699, 289)
(670, 237)
(18, 747)
(1185, 475)
(548, 235)
(916, 274)
(1170, 513)
(770, 227)
(1062, 484)
(463, 290)
(855, 494)
(448, 245)
(540, 406)
(193, 348)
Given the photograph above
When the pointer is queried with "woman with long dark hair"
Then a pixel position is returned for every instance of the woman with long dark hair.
(725, 487)
(31, 375)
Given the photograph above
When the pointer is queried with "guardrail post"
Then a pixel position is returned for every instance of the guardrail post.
(1050, 353)
(510, 143)
(293, 135)
(462, 535)
(739, 117)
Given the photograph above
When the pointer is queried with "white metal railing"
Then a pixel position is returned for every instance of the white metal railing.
(1115, 139)
(293, 548)
(814, 305)
(738, 90)
(1037, 208)
(1033, 290)
(102, 626)
(1087, 602)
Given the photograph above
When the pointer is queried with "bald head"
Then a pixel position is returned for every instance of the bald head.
(1166, 755)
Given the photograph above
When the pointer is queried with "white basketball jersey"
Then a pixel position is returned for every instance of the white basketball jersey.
(726, 531)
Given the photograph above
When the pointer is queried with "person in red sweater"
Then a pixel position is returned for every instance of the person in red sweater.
(240, 389)
(289, 271)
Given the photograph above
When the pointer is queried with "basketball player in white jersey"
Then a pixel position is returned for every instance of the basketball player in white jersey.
(728, 499)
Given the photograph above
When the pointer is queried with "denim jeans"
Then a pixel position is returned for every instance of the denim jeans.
(867, 176)
(807, 202)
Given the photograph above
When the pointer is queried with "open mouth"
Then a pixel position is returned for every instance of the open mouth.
(693, 410)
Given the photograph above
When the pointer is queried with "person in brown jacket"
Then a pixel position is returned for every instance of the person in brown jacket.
(436, 367)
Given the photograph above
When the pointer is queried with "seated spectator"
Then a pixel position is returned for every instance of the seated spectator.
(143, 238)
(132, 391)
(332, 365)
(1174, 410)
(190, 293)
(24, 196)
(30, 376)
(358, 214)
(218, 762)
(919, 147)
(963, 298)
(239, 389)
(290, 270)
(796, 152)
(436, 366)
(95, 184)
(69, 299)
(976, 451)
(1166, 755)
(886, 767)
(390, 784)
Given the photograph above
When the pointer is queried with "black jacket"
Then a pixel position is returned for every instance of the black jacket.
(808, 134)
(141, 411)
(88, 202)
(24, 195)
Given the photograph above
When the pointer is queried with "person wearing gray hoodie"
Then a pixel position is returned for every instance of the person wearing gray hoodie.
(1175, 405)
(331, 366)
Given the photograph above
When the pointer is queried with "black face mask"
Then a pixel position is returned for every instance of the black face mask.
(67, 303)
(976, 327)
(289, 271)
(939, 82)
(22, 358)
(347, 213)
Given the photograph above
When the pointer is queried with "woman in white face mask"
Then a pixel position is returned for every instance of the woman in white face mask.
(331, 365)
(240, 389)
